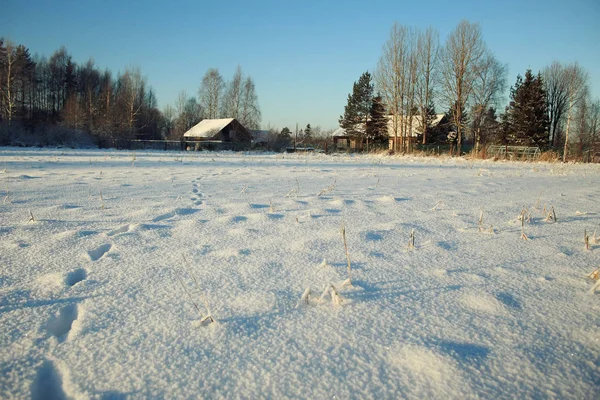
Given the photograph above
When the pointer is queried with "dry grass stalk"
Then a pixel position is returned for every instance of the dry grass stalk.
(305, 299)
(336, 299)
(244, 189)
(327, 189)
(31, 218)
(101, 201)
(537, 203)
(208, 318)
(481, 229)
(523, 235)
(411, 240)
(551, 215)
(595, 275)
(347, 255)
(271, 209)
(437, 205)
(586, 239)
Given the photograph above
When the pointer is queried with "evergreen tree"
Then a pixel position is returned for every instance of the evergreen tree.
(285, 133)
(489, 128)
(451, 128)
(526, 120)
(307, 132)
(356, 112)
(427, 125)
(377, 126)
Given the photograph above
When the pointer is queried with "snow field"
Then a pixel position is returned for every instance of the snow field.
(91, 302)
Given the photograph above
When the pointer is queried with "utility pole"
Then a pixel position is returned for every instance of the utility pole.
(296, 137)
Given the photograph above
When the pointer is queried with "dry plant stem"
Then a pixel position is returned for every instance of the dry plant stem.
(271, 207)
(586, 239)
(347, 255)
(189, 295)
(595, 275)
(189, 270)
(411, 241)
(31, 218)
(481, 220)
(537, 203)
(523, 235)
(101, 201)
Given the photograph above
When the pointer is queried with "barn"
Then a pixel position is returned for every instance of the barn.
(218, 134)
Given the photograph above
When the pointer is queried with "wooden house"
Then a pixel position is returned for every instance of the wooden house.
(218, 134)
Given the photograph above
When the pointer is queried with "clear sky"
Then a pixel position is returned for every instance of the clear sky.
(303, 55)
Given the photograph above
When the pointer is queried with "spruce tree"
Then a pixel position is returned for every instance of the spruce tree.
(356, 112)
(307, 132)
(377, 126)
(526, 120)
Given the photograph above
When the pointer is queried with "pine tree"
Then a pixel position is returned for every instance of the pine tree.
(307, 132)
(526, 120)
(377, 126)
(356, 112)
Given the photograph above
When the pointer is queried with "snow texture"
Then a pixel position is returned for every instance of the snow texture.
(96, 300)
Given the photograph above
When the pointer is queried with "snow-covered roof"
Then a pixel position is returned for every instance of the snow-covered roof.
(416, 124)
(208, 128)
(339, 132)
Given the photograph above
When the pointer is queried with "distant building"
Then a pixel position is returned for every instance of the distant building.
(259, 138)
(218, 134)
(341, 140)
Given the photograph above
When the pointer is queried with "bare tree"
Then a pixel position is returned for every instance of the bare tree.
(211, 93)
(577, 80)
(180, 102)
(427, 57)
(557, 90)
(7, 86)
(131, 94)
(392, 76)
(489, 84)
(232, 101)
(459, 62)
(250, 115)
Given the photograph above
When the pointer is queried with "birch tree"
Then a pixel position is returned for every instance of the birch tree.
(557, 88)
(427, 57)
(232, 100)
(459, 61)
(210, 93)
(7, 86)
(489, 84)
(577, 87)
(250, 115)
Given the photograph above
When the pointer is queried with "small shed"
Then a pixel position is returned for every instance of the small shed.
(218, 134)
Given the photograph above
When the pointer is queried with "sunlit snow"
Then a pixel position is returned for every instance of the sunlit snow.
(97, 301)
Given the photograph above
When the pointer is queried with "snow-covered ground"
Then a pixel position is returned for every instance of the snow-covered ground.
(95, 293)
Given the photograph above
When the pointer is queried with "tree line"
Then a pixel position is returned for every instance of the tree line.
(415, 73)
(50, 101)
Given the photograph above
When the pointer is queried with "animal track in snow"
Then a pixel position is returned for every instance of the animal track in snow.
(61, 324)
(97, 253)
(47, 383)
(123, 229)
(75, 277)
(179, 211)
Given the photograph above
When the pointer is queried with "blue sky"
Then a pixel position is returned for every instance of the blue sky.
(303, 55)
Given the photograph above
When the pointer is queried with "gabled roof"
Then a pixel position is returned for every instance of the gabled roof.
(416, 124)
(208, 128)
(339, 132)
